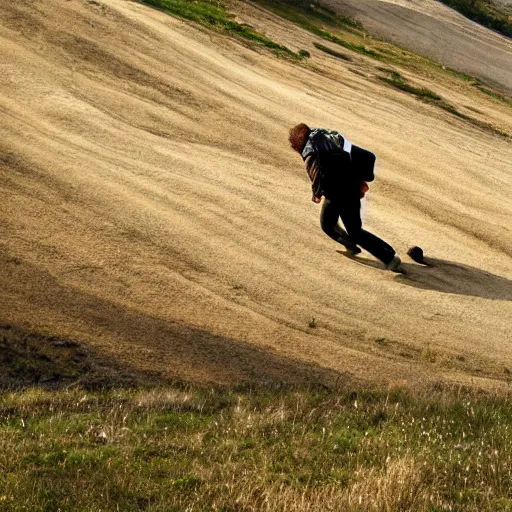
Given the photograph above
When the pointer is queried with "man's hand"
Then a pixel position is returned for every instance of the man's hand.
(316, 199)
(363, 188)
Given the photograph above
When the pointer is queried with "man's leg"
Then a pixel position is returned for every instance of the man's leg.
(350, 213)
(329, 217)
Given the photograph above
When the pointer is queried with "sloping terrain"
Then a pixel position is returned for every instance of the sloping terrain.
(152, 210)
(432, 29)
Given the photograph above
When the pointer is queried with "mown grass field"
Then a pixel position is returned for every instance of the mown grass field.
(276, 449)
(341, 31)
(350, 35)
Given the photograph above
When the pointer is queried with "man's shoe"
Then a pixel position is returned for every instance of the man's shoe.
(416, 254)
(351, 247)
(394, 264)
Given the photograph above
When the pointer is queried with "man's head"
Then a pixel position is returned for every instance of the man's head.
(299, 136)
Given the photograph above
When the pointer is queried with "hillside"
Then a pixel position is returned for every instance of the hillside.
(153, 212)
(432, 29)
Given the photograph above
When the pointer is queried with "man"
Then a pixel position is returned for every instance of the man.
(339, 172)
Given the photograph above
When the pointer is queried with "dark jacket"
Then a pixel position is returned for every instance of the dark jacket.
(335, 166)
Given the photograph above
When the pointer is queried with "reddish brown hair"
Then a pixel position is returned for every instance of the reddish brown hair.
(299, 136)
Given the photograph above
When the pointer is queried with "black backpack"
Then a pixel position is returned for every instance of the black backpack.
(337, 164)
(363, 162)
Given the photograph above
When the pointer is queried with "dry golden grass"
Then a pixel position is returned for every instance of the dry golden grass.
(151, 212)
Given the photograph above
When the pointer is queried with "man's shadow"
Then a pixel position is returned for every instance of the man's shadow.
(449, 277)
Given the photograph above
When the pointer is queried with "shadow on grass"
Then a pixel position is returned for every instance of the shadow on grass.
(155, 349)
(448, 277)
(30, 359)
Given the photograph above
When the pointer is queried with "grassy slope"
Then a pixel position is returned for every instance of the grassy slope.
(339, 30)
(351, 36)
(261, 449)
(213, 15)
(264, 449)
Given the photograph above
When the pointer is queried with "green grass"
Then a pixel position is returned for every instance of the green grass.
(356, 48)
(308, 13)
(398, 82)
(493, 94)
(213, 14)
(484, 12)
(332, 52)
(268, 448)
(321, 21)
(481, 124)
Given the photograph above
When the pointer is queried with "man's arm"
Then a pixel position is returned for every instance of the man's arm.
(313, 170)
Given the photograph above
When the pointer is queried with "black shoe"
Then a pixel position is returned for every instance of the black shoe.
(416, 254)
(351, 247)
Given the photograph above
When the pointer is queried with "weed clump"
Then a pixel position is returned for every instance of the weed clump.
(332, 52)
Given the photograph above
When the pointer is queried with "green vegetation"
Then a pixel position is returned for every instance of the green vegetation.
(484, 12)
(277, 449)
(493, 94)
(332, 52)
(398, 81)
(308, 13)
(314, 17)
(213, 14)
(357, 48)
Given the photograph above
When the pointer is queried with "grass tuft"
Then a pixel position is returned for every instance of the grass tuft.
(398, 82)
(332, 52)
(493, 94)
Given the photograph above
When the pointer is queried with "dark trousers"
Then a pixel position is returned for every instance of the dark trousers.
(349, 210)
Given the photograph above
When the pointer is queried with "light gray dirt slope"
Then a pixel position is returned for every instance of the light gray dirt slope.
(432, 29)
